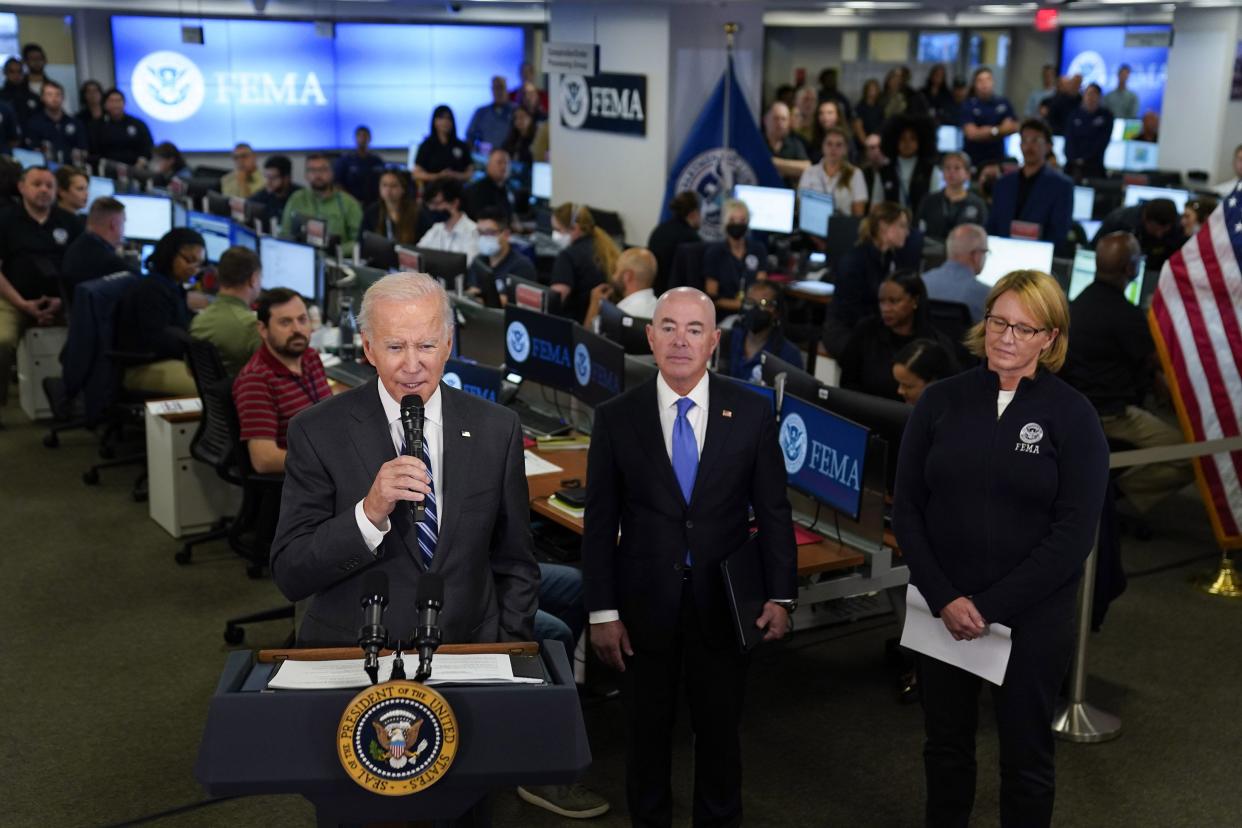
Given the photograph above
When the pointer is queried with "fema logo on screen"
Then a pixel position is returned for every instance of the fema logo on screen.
(712, 175)
(582, 364)
(517, 341)
(1091, 66)
(793, 443)
(575, 100)
(168, 86)
(452, 380)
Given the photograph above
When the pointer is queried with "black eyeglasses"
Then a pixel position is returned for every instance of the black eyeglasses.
(1021, 332)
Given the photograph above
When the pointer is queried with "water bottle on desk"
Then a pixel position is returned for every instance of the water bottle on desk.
(346, 328)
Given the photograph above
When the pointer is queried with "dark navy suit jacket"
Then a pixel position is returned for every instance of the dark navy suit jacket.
(1050, 205)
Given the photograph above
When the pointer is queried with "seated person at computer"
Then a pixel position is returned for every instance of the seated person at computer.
(168, 163)
(1112, 361)
(883, 233)
(681, 227)
(244, 180)
(836, 176)
(629, 288)
(119, 136)
(867, 363)
(1033, 201)
(396, 214)
(228, 322)
(759, 328)
(53, 130)
(442, 154)
(492, 190)
(278, 186)
(73, 189)
(452, 230)
(954, 281)
(356, 169)
(280, 379)
(587, 256)
(945, 209)
(154, 308)
(910, 143)
(1155, 224)
(497, 260)
(1196, 214)
(322, 199)
(1087, 133)
(736, 262)
(97, 251)
(919, 364)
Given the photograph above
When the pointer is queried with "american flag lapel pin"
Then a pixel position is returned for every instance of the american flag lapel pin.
(465, 434)
(726, 413)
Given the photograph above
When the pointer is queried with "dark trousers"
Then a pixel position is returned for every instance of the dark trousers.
(713, 680)
(1025, 706)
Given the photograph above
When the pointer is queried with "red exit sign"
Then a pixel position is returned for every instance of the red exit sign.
(1046, 20)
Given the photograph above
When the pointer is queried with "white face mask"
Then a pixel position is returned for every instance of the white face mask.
(560, 238)
(489, 245)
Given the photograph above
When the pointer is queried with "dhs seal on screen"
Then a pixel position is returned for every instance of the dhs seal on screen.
(604, 103)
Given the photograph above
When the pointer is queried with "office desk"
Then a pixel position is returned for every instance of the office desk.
(185, 496)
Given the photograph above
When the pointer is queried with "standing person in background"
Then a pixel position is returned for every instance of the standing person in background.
(16, 93)
(829, 91)
(120, 136)
(1121, 101)
(1034, 194)
(278, 186)
(937, 93)
(1063, 103)
(36, 62)
(873, 162)
(10, 130)
(489, 126)
(588, 256)
(529, 78)
(788, 154)
(395, 215)
(882, 234)
(1087, 135)
(357, 171)
(1150, 130)
(520, 141)
(803, 114)
(828, 115)
(910, 141)
(987, 119)
(836, 177)
(90, 104)
(442, 154)
(941, 211)
(322, 199)
(682, 227)
(869, 114)
(492, 190)
(1036, 99)
(244, 180)
(1000, 483)
(54, 131)
(736, 262)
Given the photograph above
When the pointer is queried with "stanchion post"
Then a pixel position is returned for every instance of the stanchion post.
(1076, 720)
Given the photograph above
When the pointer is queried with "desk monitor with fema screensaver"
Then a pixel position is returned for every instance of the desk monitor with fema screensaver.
(474, 378)
(598, 367)
(1005, 255)
(1082, 274)
(216, 232)
(824, 454)
(147, 218)
(1138, 193)
(539, 347)
(290, 265)
(814, 210)
(771, 208)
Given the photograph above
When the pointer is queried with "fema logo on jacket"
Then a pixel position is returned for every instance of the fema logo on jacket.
(1028, 439)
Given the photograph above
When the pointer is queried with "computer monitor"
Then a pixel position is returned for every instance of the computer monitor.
(216, 232)
(630, 332)
(814, 210)
(1082, 274)
(28, 158)
(481, 380)
(1005, 255)
(533, 295)
(147, 218)
(598, 367)
(243, 237)
(317, 233)
(98, 187)
(378, 250)
(480, 331)
(1142, 156)
(290, 265)
(541, 181)
(1090, 229)
(1138, 193)
(539, 347)
(638, 370)
(218, 205)
(949, 139)
(442, 265)
(1126, 129)
(180, 213)
(1084, 203)
(767, 393)
(771, 208)
(825, 454)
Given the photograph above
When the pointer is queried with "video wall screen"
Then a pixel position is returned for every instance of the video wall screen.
(281, 84)
(1097, 52)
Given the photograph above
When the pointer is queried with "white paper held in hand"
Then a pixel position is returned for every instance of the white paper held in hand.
(987, 656)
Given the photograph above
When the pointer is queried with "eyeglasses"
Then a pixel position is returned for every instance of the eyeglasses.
(1021, 332)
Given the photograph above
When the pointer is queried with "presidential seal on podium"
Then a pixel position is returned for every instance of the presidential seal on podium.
(397, 738)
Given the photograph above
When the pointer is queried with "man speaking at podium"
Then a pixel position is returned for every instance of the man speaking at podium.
(674, 464)
(350, 489)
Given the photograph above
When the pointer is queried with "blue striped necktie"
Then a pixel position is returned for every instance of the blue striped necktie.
(428, 528)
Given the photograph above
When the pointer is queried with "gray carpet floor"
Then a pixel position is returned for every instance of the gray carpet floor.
(111, 652)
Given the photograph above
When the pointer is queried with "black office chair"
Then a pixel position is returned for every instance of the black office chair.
(842, 236)
(687, 270)
(954, 321)
(610, 222)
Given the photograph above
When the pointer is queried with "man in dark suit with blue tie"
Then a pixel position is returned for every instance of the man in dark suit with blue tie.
(674, 466)
(349, 487)
(1036, 193)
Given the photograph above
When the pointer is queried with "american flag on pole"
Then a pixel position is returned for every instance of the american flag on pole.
(1196, 320)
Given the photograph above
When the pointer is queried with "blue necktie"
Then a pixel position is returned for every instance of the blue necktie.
(685, 449)
(427, 528)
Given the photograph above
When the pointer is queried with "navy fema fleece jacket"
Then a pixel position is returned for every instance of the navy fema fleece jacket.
(1003, 511)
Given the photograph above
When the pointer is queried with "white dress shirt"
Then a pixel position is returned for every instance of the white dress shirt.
(640, 303)
(433, 438)
(697, 416)
(463, 238)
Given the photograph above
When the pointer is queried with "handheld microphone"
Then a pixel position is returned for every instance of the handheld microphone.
(373, 635)
(427, 634)
(412, 425)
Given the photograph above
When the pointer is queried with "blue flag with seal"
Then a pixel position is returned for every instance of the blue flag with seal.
(725, 147)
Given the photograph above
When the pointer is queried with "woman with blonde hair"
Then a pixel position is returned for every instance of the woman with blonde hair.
(586, 259)
(1000, 484)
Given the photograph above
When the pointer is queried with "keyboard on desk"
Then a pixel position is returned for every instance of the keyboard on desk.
(352, 374)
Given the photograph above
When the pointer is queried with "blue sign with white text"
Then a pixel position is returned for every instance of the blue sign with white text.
(285, 85)
(823, 454)
(1097, 52)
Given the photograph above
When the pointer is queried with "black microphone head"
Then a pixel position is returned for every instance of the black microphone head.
(430, 589)
(375, 587)
(411, 402)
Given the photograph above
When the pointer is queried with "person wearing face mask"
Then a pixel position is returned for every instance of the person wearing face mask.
(587, 255)
(910, 142)
(451, 229)
(867, 363)
(228, 322)
(918, 365)
(629, 288)
(759, 329)
(156, 304)
(734, 264)
(882, 235)
(497, 260)
(941, 211)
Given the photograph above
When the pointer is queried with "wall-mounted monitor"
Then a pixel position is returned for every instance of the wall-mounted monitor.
(1097, 52)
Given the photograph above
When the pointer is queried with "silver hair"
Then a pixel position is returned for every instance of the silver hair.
(404, 287)
(963, 239)
(731, 204)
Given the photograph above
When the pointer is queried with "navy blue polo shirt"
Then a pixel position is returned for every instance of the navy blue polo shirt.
(986, 113)
(64, 135)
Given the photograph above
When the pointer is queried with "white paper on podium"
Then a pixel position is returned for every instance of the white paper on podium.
(986, 657)
(482, 668)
